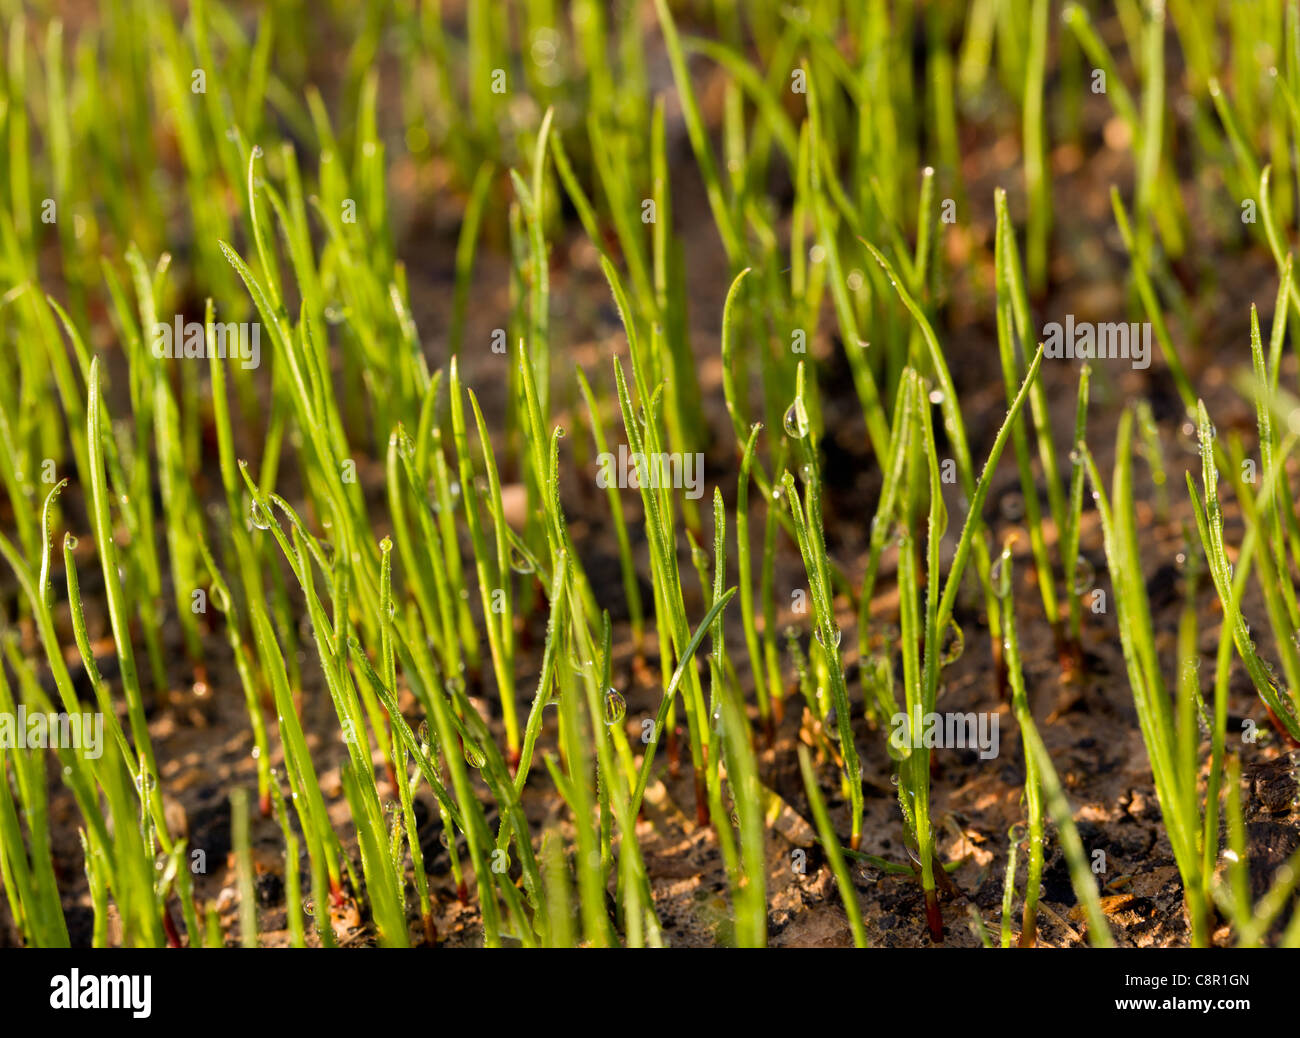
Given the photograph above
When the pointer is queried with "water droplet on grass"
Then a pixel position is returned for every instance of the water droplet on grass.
(952, 644)
(615, 706)
(796, 420)
(257, 515)
(836, 635)
(519, 561)
(1085, 576)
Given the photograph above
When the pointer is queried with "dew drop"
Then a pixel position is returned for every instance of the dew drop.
(519, 561)
(615, 707)
(836, 635)
(257, 516)
(796, 420)
(1085, 576)
(952, 644)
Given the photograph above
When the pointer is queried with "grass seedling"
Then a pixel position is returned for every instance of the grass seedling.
(1176, 789)
(244, 859)
(832, 848)
(1003, 584)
